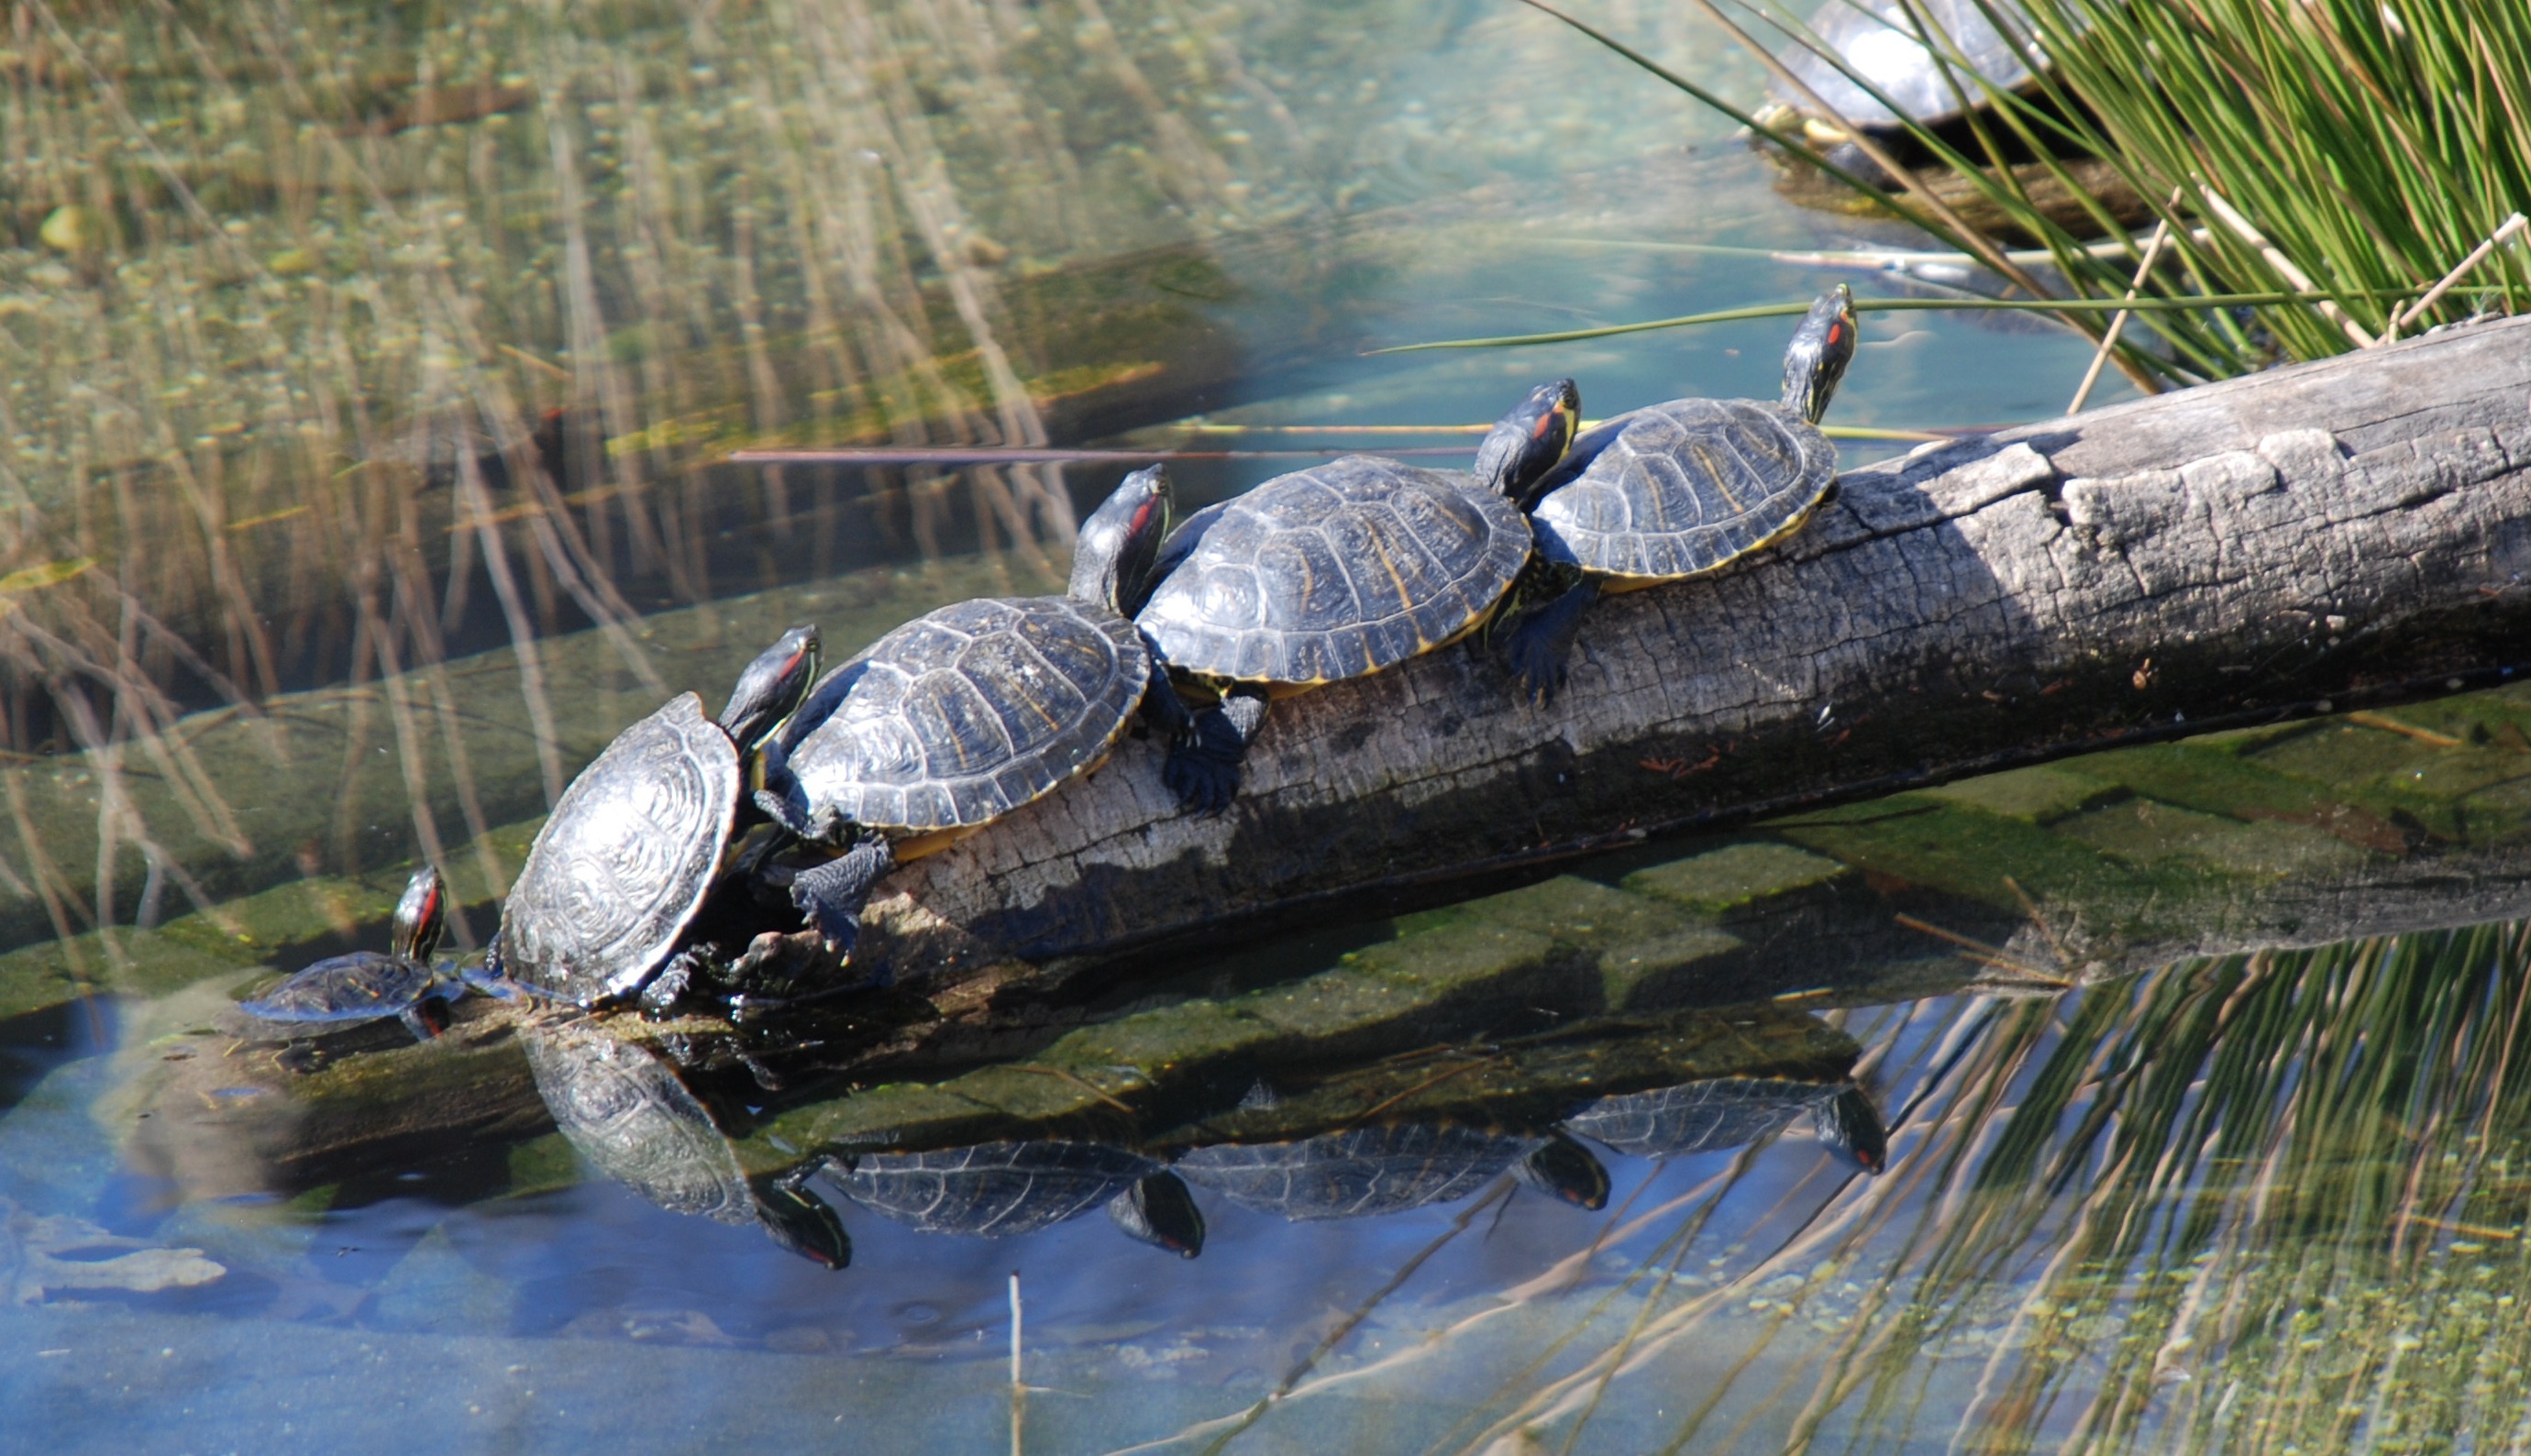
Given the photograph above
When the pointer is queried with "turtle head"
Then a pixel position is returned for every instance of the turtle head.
(1111, 558)
(770, 688)
(1525, 445)
(1821, 350)
(422, 916)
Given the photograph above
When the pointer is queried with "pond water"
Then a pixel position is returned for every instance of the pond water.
(365, 471)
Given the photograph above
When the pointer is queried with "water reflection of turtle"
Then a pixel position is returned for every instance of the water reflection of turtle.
(638, 841)
(1391, 1167)
(1731, 1111)
(1678, 489)
(626, 1112)
(1338, 571)
(367, 986)
(1003, 1188)
(970, 711)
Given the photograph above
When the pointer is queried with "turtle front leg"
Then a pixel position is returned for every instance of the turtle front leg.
(1203, 768)
(1539, 644)
(1162, 708)
(832, 895)
(777, 794)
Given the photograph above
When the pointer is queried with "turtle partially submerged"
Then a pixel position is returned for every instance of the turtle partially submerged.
(367, 986)
(1003, 1188)
(1336, 572)
(1389, 1169)
(1730, 1111)
(626, 1112)
(638, 841)
(1679, 489)
(970, 711)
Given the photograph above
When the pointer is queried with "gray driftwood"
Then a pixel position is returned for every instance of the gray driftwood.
(2327, 536)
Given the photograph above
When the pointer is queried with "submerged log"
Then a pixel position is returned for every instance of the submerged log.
(2347, 532)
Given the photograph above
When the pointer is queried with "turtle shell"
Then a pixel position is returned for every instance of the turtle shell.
(970, 711)
(1338, 571)
(626, 1112)
(1876, 40)
(995, 1189)
(1698, 1116)
(364, 985)
(1358, 1172)
(1684, 487)
(626, 859)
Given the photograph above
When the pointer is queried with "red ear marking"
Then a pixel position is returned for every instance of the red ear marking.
(1544, 423)
(1143, 514)
(1836, 331)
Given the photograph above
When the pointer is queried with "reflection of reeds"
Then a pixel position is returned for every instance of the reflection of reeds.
(279, 368)
(2264, 1202)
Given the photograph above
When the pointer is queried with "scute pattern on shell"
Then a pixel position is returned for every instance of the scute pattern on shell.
(967, 712)
(995, 1189)
(1680, 489)
(1697, 1116)
(1338, 571)
(1877, 39)
(1358, 1172)
(364, 985)
(625, 861)
(626, 1112)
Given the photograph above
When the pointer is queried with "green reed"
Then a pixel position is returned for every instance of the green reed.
(2262, 1203)
(2339, 148)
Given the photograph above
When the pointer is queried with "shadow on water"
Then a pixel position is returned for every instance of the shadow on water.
(364, 472)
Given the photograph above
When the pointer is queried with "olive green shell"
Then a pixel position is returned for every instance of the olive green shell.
(1338, 571)
(1684, 487)
(964, 714)
(625, 860)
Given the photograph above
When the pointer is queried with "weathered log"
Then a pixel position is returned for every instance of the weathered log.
(2348, 531)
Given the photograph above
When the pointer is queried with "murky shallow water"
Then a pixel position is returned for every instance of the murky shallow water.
(2251, 1200)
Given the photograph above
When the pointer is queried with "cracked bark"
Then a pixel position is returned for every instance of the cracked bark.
(2346, 533)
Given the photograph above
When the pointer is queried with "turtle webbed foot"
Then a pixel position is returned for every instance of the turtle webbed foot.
(832, 895)
(1538, 647)
(1204, 780)
(659, 999)
(1202, 767)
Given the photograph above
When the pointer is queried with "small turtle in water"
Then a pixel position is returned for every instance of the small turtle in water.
(1680, 489)
(1339, 571)
(970, 711)
(638, 841)
(1391, 1167)
(1003, 1188)
(626, 1112)
(1730, 1111)
(367, 986)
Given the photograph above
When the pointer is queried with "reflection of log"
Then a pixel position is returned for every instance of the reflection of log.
(2344, 532)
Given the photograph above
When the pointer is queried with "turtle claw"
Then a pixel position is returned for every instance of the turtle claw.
(1538, 647)
(1203, 767)
(1203, 779)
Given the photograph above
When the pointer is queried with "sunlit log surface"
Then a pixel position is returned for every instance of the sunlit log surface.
(2348, 531)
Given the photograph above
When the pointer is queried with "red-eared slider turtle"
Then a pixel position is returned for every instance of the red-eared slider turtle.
(967, 712)
(1730, 1111)
(1878, 43)
(367, 986)
(637, 843)
(1338, 571)
(1679, 489)
(1390, 1169)
(626, 1111)
(1002, 1188)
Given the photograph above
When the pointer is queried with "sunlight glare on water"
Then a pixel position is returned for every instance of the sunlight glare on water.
(367, 471)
